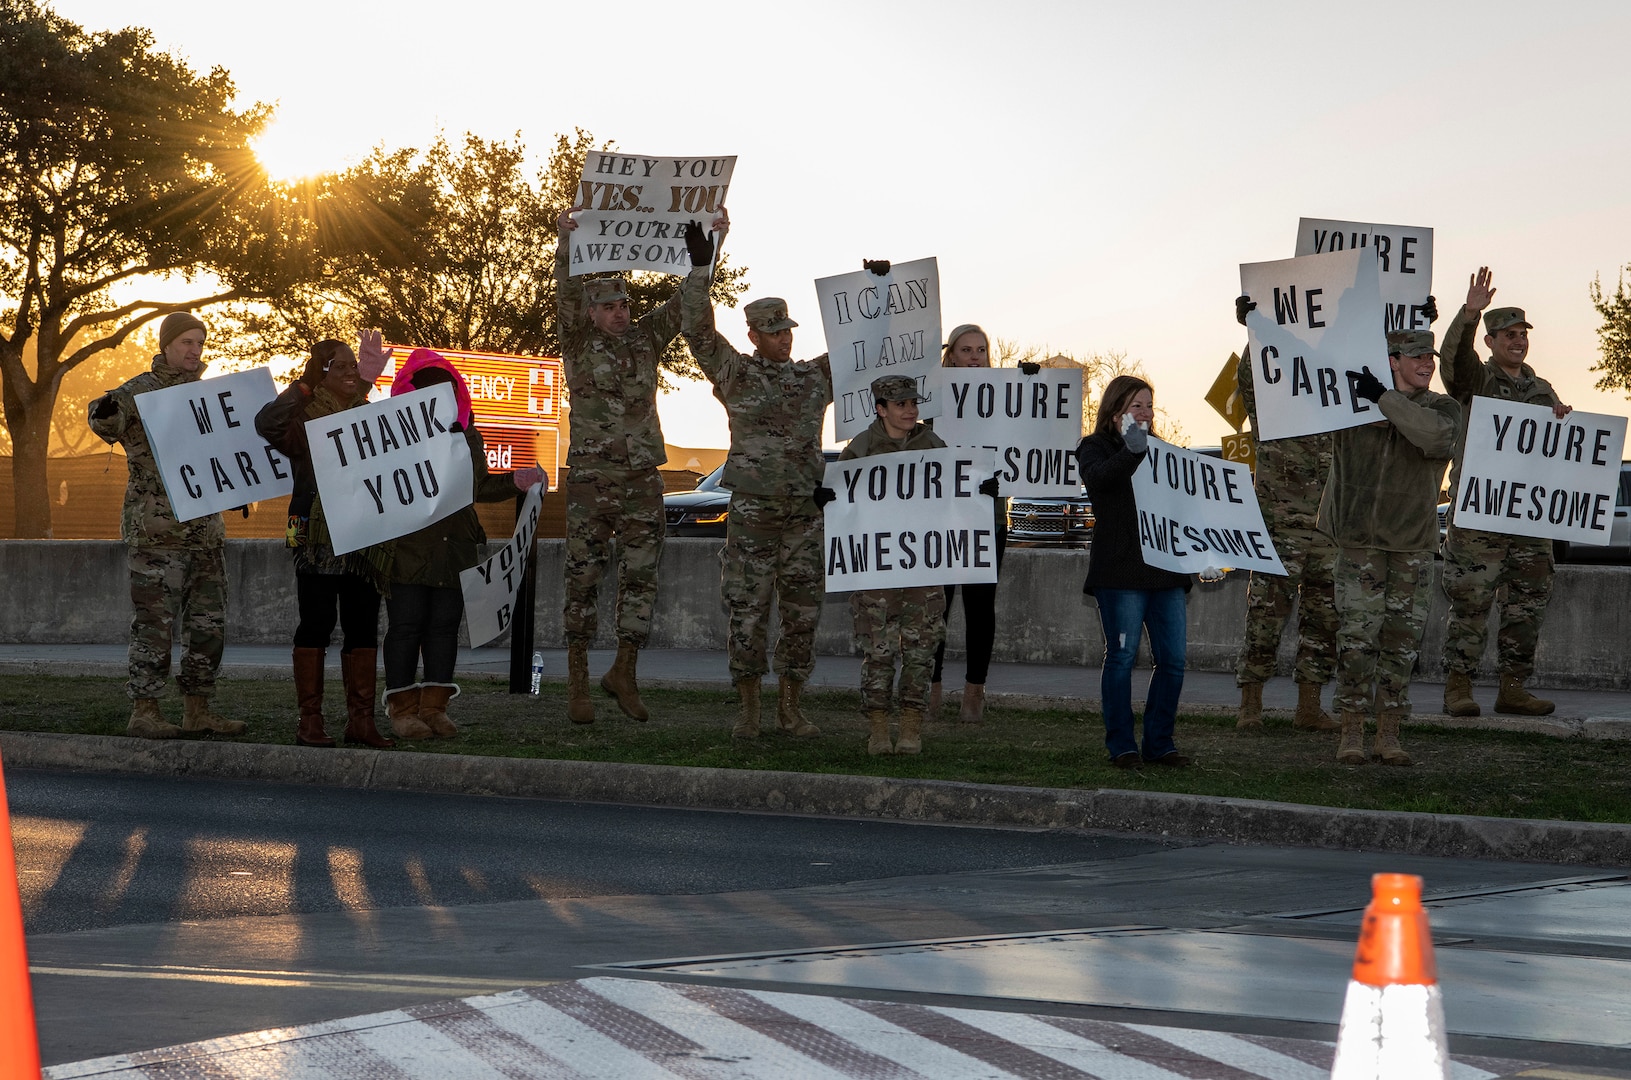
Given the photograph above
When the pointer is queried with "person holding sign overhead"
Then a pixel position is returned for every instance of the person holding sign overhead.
(1380, 508)
(1482, 567)
(1132, 595)
(177, 568)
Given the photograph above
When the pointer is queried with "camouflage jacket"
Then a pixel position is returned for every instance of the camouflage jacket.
(148, 519)
(775, 408)
(875, 440)
(612, 380)
(1291, 473)
(1385, 476)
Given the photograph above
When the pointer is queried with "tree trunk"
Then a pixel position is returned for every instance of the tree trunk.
(31, 494)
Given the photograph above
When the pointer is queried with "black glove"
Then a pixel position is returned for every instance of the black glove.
(1430, 309)
(244, 510)
(699, 244)
(877, 266)
(990, 487)
(1243, 304)
(1366, 385)
(104, 407)
(455, 427)
(1030, 367)
(823, 496)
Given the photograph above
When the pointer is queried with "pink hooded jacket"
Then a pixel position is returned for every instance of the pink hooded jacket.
(424, 358)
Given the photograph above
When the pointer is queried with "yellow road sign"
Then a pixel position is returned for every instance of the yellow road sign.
(1225, 395)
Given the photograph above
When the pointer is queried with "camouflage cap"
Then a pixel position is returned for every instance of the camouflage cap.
(895, 388)
(1410, 343)
(1498, 319)
(606, 290)
(768, 315)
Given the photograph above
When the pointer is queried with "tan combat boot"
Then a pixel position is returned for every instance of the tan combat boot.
(146, 722)
(747, 717)
(403, 708)
(1249, 720)
(1310, 717)
(1386, 746)
(1514, 700)
(579, 708)
(433, 699)
(789, 716)
(1458, 695)
(973, 709)
(196, 715)
(877, 741)
(937, 693)
(620, 683)
(910, 739)
(1351, 747)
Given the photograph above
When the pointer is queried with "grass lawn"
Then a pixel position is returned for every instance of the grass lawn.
(1499, 774)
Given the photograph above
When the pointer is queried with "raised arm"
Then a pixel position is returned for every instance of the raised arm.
(1460, 368)
(569, 304)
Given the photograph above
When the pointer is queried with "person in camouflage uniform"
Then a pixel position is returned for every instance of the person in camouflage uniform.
(773, 531)
(177, 568)
(1380, 508)
(613, 489)
(1484, 568)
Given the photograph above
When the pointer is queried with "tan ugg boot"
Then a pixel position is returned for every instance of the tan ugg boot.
(403, 708)
(1249, 720)
(973, 708)
(579, 708)
(308, 694)
(937, 694)
(1458, 695)
(1386, 745)
(1514, 700)
(747, 716)
(789, 716)
(620, 683)
(433, 699)
(877, 741)
(910, 739)
(1351, 747)
(146, 722)
(359, 668)
(196, 715)
(1309, 716)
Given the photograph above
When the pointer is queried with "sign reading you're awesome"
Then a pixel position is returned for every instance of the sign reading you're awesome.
(1200, 513)
(209, 455)
(1404, 258)
(1527, 473)
(1030, 422)
(880, 325)
(636, 208)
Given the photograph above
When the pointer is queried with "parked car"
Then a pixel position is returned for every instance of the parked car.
(1618, 549)
(702, 510)
(1060, 521)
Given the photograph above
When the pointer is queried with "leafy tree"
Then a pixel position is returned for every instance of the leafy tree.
(1614, 336)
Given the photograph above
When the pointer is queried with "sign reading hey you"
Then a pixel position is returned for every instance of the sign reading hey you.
(390, 467)
(1199, 513)
(490, 587)
(1404, 258)
(880, 325)
(636, 209)
(203, 437)
(1030, 422)
(1527, 473)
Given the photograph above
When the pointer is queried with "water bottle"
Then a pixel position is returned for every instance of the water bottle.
(537, 671)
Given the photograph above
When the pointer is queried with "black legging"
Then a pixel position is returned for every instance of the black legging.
(424, 622)
(980, 624)
(318, 596)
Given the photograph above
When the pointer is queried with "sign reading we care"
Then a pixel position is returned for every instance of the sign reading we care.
(209, 454)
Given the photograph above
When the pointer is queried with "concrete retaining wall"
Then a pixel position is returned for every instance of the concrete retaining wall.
(76, 592)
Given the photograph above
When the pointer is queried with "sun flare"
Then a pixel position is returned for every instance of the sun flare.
(291, 151)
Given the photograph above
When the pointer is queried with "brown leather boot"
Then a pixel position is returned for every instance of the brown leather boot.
(937, 694)
(747, 715)
(1249, 720)
(1310, 717)
(308, 694)
(433, 699)
(579, 708)
(358, 669)
(1514, 700)
(877, 741)
(1351, 747)
(910, 739)
(789, 716)
(620, 683)
(402, 706)
(1386, 745)
(146, 722)
(196, 716)
(1458, 694)
(973, 707)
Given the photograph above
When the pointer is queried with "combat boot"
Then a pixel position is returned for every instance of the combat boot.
(403, 708)
(146, 722)
(877, 741)
(789, 716)
(308, 694)
(1351, 747)
(196, 716)
(747, 716)
(1250, 718)
(433, 699)
(973, 708)
(1514, 700)
(1310, 717)
(937, 692)
(579, 708)
(1386, 746)
(910, 739)
(360, 670)
(1458, 694)
(620, 683)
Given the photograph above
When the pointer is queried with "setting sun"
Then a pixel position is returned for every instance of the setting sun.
(289, 150)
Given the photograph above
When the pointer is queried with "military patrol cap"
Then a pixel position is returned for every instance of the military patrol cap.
(894, 388)
(606, 290)
(768, 315)
(1411, 343)
(1498, 319)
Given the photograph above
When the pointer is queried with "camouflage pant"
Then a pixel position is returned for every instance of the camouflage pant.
(1310, 560)
(906, 622)
(601, 504)
(772, 552)
(1485, 568)
(166, 585)
(1382, 601)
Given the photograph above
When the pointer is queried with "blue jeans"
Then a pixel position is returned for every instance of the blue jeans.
(1124, 613)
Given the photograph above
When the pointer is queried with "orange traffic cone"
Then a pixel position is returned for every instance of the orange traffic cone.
(1393, 1017)
(19, 1048)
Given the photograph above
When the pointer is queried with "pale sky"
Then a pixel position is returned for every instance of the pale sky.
(1089, 175)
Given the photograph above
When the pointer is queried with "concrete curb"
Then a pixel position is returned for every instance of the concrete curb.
(1200, 817)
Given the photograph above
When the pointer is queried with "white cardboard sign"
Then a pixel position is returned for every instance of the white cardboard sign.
(1404, 258)
(888, 325)
(1200, 513)
(1032, 424)
(490, 587)
(636, 209)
